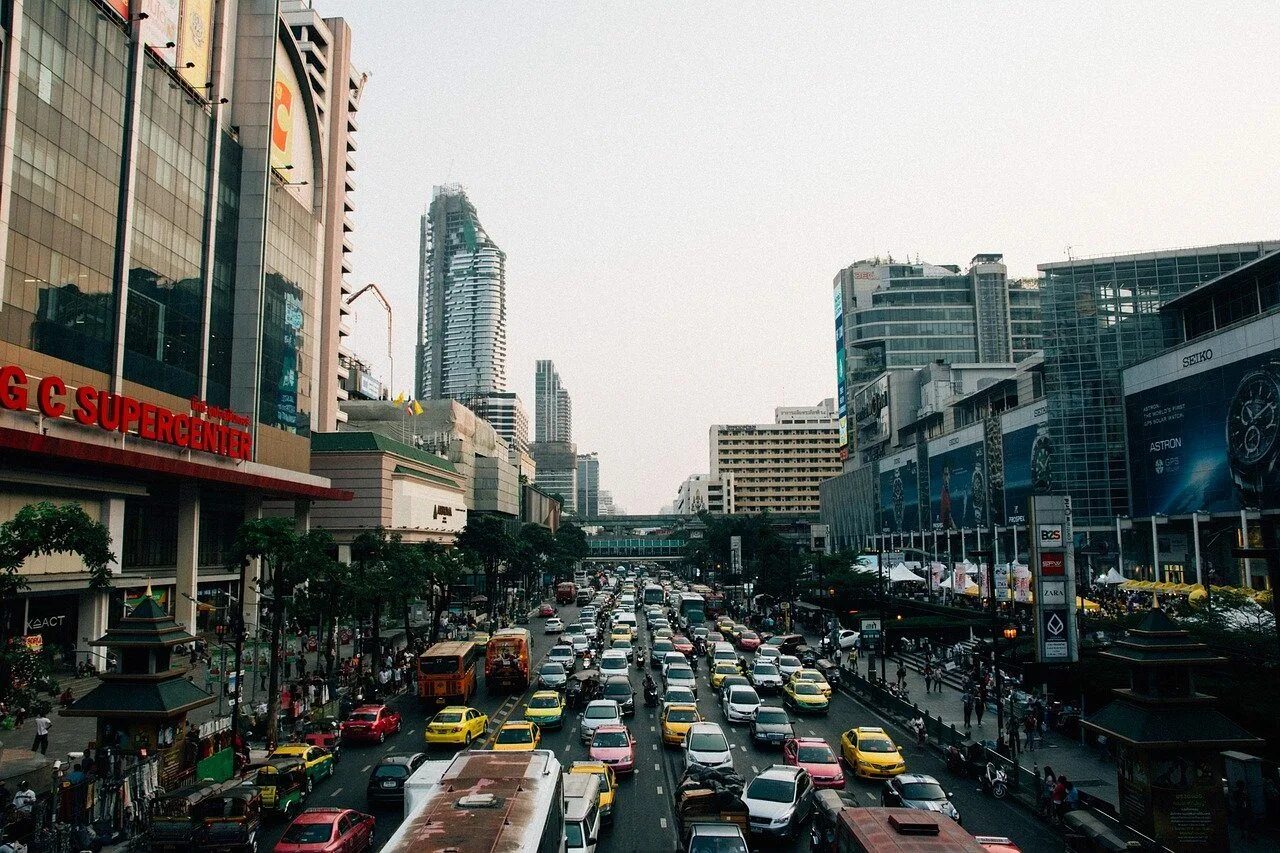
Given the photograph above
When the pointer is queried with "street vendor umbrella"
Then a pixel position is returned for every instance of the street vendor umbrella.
(967, 568)
(479, 599)
(900, 574)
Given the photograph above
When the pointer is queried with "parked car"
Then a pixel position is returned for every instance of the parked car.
(779, 800)
(371, 723)
(818, 758)
(614, 746)
(599, 712)
(706, 746)
(770, 726)
(328, 830)
(917, 791)
(386, 782)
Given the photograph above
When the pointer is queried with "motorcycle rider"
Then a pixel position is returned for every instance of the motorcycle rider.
(650, 689)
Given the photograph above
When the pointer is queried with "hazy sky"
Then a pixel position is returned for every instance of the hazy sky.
(675, 184)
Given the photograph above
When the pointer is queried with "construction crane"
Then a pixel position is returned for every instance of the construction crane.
(373, 288)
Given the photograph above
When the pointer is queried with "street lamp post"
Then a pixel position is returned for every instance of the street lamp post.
(1010, 634)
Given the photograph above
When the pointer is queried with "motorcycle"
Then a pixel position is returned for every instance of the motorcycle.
(650, 694)
(641, 658)
(995, 782)
(966, 760)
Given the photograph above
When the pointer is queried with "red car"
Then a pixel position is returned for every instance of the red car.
(813, 754)
(325, 732)
(371, 722)
(682, 644)
(546, 610)
(615, 746)
(749, 641)
(328, 831)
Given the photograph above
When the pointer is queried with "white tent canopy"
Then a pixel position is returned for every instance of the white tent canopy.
(1111, 578)
(900, 574)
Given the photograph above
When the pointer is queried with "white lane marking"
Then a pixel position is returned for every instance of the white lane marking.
(653, 728)
(662, 821)
(335, 792)
(566, 747)
(365, 769)
(659, 790)
(657, 767)
(872, 797)
(755, 769)
(812, 732)
(655, 747)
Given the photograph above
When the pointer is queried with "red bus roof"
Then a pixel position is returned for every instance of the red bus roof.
(879, 830)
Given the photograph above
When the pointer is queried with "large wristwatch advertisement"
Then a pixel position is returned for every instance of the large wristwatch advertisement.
(1253, 431)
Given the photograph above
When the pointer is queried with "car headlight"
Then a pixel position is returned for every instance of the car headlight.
(780, 821)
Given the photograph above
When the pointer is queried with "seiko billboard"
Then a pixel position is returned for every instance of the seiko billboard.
(1204, 424)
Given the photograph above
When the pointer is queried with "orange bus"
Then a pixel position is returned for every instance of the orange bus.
(878, 830)
(447, 672)
(506, 664)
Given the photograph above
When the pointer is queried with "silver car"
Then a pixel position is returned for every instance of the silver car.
(681, 676)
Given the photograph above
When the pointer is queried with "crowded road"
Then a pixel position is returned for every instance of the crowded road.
(643, 810)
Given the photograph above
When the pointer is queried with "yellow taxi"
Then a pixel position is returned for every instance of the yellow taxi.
(456, 724)
(724, 625)
(872, 753)
(318, 760)
(608, 783)
(676, 720)
(722, 670)
(546, 709)
(813, 677)
(481, 639)
(620, 632)
(805, 696)
(516, 737)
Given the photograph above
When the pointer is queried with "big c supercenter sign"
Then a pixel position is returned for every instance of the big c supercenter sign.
(206, 428)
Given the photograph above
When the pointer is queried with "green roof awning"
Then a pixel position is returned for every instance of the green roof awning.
(372, 442)
(154, 699)
(1164, 726)
(423, 475)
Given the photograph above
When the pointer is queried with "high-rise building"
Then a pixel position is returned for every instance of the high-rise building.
(462, 307)
(552, 407)
(588, 485)
(777, 467)
(557, 471)
(1026, 328)
(336, 86)
(1100, 316)
(902, 315)
(165, 331)
(506, 413)
(699, 493)
(607, 506)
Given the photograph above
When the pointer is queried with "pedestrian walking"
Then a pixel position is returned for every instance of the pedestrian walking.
(41, 742)
(928, 678)
(902, 674)
(967, 699)
(979, 707)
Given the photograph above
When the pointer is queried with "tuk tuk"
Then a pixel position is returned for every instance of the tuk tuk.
(827, 805)
(582, 687)
(228, 822)
(175, 815)
(282, 782)
(325, 732)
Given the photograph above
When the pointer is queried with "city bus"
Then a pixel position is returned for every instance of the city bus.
(692, 611)
(506, 665)
(447, 672)
(654, 594)
(714, 601)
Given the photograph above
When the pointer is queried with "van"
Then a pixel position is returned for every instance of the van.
(581, 812)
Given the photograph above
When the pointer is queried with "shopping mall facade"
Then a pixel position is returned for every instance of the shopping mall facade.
(163, 202)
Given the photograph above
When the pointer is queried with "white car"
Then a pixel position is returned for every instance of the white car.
(779, 800)
(765, 676)
(554, 625)
(589, 630)
(706, 746)
(767, 653)
(580, 644)
(740, 704)
(848, 639)
(601, 712)
(789, 665)
(681, 676)
(671, 659)
(678, 696)
(562, 654)
(614, 662)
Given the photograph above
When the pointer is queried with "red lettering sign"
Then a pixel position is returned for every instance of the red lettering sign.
(209, 429)
(1053, 565)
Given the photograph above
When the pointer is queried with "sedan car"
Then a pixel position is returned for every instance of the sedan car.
(599, 712)
(682, 644)
(676, 720)
(589, 629)
(328, 830)
(812, 675)
(552, 675)
(386, 782)
(706, 746)
(546, 709)
(748, 641)
(563, 654)
(816, 757)
(554, 625)
(517, 737)
(872, 753)
(806, 696)
(740, 704)
(456, 724)
(681, 676)
(678, 696)
(608, 783)
(615, 747)
(659, 651)
(546, 609)
(371, 723)
(917, 791)
(768, 654)
(625, 647)
(789, 665)
(614, 662)
(721, 671)
(779, 800)
(770, 726)
(619, 689)
(580, 644)
(765, 677)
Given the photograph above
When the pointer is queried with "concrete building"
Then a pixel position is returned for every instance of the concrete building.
(539, 507)
(450, 430)
(462, 303)
(777, 467)
(552, 407)
(607, 506)
(588, 503)
(164, 188)
(700, 493)
(557, 471)
(336, 86)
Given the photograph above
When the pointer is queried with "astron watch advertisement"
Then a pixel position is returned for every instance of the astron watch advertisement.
(1028, 459)
(1209, 441)
(900, 493)
(957, 480)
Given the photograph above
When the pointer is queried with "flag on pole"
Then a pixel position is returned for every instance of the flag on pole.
(399, 399)
(416, 408)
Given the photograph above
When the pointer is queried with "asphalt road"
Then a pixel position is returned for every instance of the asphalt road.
(643, 807)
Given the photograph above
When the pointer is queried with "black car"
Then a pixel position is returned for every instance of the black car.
(659, 651)
(386, 782)
(770, 727)
(619, 689)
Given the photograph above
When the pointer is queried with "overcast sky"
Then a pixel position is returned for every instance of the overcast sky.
(676, 184)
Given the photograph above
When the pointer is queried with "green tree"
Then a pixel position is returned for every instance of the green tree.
(486, 538)
(571, 549)
(445, 567)
(288, 559)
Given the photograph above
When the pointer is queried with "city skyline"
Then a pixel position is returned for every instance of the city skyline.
(670, 197)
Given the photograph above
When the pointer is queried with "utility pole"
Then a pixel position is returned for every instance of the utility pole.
(884, 634)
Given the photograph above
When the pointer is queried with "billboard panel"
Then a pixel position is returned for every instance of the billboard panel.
(160, 28)
(120, 7)
(871, 411)
(841, 401)
(1028, 458)
(291, 133)
(957, 480)
(195, 44)
(899, 492)
(1209, 440)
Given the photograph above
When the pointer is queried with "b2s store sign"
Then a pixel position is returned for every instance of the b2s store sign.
(208, 429)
